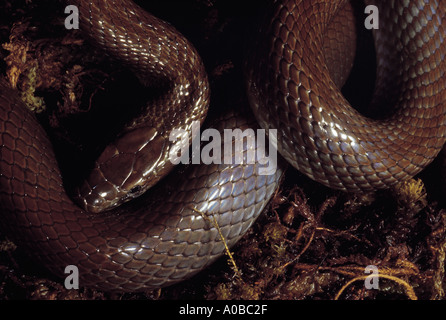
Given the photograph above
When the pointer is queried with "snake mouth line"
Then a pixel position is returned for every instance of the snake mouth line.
(226, 148)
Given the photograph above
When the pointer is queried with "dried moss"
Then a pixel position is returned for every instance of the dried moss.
(294, 263)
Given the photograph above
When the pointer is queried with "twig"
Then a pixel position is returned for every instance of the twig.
(409, 289)
(228, 252)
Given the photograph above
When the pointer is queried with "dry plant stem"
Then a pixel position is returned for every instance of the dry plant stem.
(228, 252)
(409, 289)
(307, 245)
(438, 293)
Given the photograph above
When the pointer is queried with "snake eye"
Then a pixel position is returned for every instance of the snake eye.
(135, 190)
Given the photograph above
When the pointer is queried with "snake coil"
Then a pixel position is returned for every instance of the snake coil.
(160, 238)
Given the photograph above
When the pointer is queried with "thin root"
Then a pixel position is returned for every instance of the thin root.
(409, 289)
(227, 251)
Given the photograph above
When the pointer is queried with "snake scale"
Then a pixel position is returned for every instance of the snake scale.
(163, 236)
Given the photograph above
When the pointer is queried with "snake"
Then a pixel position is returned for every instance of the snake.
(123, 236)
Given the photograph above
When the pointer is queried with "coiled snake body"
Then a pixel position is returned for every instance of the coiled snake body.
(162, 238)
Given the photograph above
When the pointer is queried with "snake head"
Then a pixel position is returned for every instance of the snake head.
(126, 169)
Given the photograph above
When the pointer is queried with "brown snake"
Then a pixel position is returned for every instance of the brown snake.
(161, 238)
